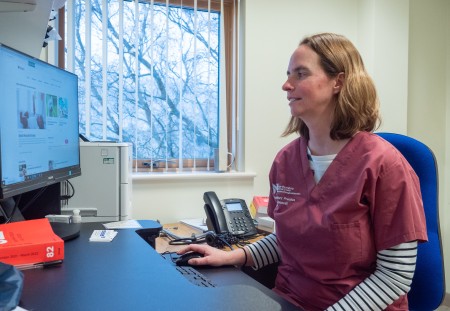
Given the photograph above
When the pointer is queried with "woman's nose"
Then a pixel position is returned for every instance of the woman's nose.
(286, 86)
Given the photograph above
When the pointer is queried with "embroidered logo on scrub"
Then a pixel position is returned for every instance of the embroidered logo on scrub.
(283, 195)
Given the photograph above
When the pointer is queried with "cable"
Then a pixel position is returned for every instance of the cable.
(179, 240)
(211, 238)
(226, 239)
(67, 195)
(15, 208)
(186, 241)
(34, 198)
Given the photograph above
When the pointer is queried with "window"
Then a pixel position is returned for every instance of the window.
(150, 74)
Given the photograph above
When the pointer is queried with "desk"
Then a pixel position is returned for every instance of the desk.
(128, 274)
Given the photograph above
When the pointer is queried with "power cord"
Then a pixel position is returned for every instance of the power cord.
(34, 198)
(178, 240)
(217, 240)
(67, 195)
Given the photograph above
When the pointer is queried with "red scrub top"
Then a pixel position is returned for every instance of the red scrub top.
(329, 233)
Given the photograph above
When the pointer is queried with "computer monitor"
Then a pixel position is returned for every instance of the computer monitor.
(39, 144)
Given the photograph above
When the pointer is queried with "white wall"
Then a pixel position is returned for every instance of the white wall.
(429, 89)
(383, 43)
(172, 198)
(405, 45)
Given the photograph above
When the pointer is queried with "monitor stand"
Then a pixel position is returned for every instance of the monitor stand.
(66, 231)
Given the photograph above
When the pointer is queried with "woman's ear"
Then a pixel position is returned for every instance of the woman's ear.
(339, 82)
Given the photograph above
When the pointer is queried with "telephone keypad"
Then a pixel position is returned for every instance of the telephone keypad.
(238, 222)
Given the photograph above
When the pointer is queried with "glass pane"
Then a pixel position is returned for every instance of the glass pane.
(177, 76)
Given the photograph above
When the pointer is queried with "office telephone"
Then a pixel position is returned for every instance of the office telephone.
(228, 216)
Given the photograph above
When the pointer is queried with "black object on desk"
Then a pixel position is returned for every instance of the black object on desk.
(150, 234)
(128, 274)
(66, 231)
(183, 260)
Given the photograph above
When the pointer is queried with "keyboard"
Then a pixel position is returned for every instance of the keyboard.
(190, 273)
(194, 276)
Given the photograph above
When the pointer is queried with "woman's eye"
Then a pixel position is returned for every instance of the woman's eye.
(301, 74)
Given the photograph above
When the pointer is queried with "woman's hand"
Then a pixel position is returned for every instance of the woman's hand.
(213, 256)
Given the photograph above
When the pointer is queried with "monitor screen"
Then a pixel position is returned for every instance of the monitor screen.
(39, 143)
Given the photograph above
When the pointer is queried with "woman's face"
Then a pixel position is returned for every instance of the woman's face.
(310, 91)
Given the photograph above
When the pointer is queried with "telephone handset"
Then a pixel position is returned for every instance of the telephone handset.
(229, 215)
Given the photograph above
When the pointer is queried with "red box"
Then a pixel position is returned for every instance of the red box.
(260, 203)
(30, 242)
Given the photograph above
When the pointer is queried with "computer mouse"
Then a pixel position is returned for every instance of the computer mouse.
(183, 259)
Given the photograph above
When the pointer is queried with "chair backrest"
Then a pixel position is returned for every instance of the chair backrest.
(428, 285)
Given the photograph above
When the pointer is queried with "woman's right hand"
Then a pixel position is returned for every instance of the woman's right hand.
(213, 256)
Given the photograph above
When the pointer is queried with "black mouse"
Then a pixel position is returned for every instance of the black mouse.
(183, 259)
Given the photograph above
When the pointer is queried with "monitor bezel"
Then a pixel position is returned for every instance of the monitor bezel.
(48, 177)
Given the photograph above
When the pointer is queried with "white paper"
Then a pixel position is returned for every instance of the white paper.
(124, 224)
(197, 223)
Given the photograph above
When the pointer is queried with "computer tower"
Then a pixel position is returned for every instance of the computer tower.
(103, 192)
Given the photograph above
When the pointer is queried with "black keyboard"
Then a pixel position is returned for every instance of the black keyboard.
(190, 273)
(194, 276)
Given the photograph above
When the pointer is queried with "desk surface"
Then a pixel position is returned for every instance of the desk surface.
(128, 274)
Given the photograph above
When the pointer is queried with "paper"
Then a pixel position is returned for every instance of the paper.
(102, 235)
(124, 224)
(197, 223)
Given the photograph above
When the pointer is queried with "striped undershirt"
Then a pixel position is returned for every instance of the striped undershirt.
(391, 279)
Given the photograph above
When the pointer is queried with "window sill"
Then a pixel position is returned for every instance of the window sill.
(136, 176)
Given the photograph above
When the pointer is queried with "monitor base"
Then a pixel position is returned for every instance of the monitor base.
(66, 231)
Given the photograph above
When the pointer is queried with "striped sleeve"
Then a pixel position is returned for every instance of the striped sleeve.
(264, 252)
(391, 279)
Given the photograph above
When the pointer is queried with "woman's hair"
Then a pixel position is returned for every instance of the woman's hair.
(357, 107)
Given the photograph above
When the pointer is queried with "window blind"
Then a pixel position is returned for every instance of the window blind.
(177, 110)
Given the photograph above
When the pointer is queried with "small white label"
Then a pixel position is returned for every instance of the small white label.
(2, 238)
(102, 235)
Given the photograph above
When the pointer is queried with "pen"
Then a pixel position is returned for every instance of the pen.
(39, 265)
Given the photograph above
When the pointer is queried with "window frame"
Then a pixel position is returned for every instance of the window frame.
(230, 17)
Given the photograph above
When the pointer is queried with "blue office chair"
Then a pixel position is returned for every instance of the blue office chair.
(428, 285)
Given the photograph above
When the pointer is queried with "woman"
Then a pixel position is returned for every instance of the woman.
(346, 204)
